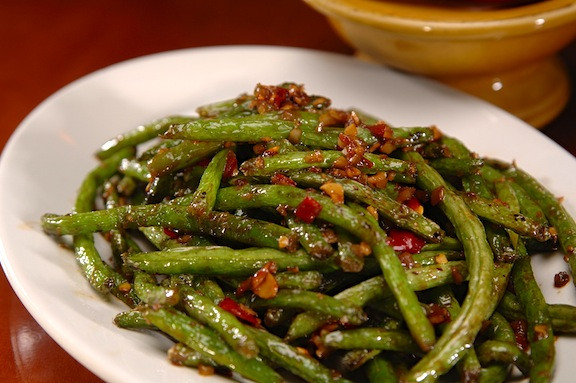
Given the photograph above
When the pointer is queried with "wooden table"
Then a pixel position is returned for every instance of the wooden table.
(45, 44)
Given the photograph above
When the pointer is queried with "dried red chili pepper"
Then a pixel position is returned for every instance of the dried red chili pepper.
(281, 179)
(561, 279)
(231, 167)
(308, 209)
(520, 328)
(240, 311)
(414, 204)
(405, 241)
(262, 283)
(171, 233)
(380, 130)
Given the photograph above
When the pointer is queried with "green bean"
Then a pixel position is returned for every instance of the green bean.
(185, 154)
(348, 257)
(476, 184)
(354, 359)
(182, 355)
(118, 239)
(138, 135)
(462, 330)
(372, 338)
(540, 332)
(205, 194)
(469, 366)
(556, 213)
(503, 187)
(528, 206)
(458, 167)
(304, 280)
(502, 215)
(218, 224)
(418, 324)
(495, 350)
(158, 237)
(292, 161)
(220, 260)
(135, 169)
(147, 289)
(276, 350)
(100, 276)
(344, 311)
(434, 257)
(401, 136)
(414, 135)
(380, 370)
(446, 244)
(501, 328)
(456, 148)
(539, 322)
(501, 243)
(494, 374)
(563, 316)
(208, 287)
(226, 108)
(204, 197)
(132, 319)
(208, 344)
(204, 310)
(483, 185)
(255, 128)
(311, 237)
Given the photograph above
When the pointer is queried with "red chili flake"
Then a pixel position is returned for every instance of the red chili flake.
(231, 167)
(520, 328)
(405, 241)
(414, 204)
(171, 233)
(262, 283)
(321, 350)
(279, 96)
(281, 179)
(270, 152)
(437, 314)
(405, 193)
(457, 275)
(354, 150)
(308, 209)
(288, 97)
(561, 279)
(437, 195)
(240, 311)
(380, 130)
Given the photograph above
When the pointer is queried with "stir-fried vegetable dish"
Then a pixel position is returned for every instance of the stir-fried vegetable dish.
(273, 234)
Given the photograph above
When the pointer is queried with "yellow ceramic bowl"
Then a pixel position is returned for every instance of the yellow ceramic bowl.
(507, 56)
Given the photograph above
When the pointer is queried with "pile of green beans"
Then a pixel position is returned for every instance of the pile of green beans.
(273, 233)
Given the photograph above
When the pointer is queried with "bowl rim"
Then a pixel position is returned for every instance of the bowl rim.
(441, 20)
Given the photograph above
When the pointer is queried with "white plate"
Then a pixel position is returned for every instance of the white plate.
(48, 156)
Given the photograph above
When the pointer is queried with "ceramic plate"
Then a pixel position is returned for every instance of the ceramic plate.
(49, 154)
